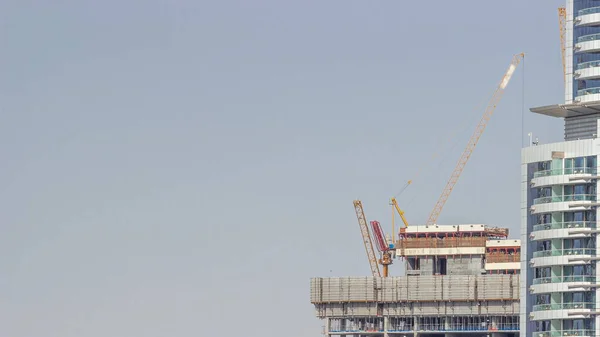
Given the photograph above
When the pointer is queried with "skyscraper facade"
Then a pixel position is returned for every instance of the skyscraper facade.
(559, 196)
(582, 51)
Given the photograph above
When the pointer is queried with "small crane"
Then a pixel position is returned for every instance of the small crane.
(382, 246)
(364, 230)
(400, 212)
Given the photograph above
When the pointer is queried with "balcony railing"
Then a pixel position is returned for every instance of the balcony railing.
(573, 333)
(580, 170)
(590, 37)
(565, 333)
(586, 65)
(564, 279)
(564, 306)
(547, 173)
(588, 91)
(568, 170)
(564, 225)
(564, 252)
(564, 198)
(587, 11)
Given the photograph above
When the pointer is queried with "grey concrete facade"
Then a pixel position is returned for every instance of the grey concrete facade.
(418, 305)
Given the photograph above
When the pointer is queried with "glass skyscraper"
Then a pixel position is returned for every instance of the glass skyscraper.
(582, 51)
(559, 197)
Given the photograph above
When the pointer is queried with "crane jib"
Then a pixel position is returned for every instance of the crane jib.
(464, 158)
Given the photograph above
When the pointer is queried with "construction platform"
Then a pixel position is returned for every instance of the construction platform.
(421, 305)
(461, 279)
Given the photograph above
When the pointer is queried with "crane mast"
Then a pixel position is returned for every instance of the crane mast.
(562, 21)
(464, 158)
(364, 230)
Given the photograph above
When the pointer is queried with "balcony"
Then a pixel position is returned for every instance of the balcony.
(565, 198)
(565, 252)
(565, 333)
(587, 11)
(564, 306)
(588, 17)
(587, 70)
(565, 171)
(589, 94)
(587, 65)
(547, 173)
(588, 43)
(564, 279)
(565, 225)
(572, 333)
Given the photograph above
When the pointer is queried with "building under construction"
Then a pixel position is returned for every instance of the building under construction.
(458, 279)
(461, 279)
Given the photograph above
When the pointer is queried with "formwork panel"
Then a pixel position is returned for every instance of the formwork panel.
(335, 310)
(362, 309)
(496, 308)
(494, 287)
(516, 308)
(399, 309)
(430, 309)
(315, 290)
(462, 308)
(459, 287)
(515, 280)
(320, 310)
(402, 290)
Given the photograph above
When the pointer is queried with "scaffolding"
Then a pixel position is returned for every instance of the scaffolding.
(495, 257)
(424, 324)
(447, 241)
(426, 289)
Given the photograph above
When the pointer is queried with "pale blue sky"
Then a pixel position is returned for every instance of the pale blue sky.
(182, 168)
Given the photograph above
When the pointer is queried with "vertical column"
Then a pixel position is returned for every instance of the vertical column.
(525, 277)
(569, 44)
(386, 325)
(596, 318)
(416, 325)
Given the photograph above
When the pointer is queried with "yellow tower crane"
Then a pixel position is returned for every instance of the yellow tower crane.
(464, 158)
(394, 203)
(562, 22)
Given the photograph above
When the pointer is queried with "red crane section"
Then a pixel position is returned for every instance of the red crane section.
(380, 240)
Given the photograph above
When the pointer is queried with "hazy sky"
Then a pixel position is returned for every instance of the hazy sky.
(182, 168)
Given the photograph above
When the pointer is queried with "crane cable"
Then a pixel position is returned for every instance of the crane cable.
(523, 104)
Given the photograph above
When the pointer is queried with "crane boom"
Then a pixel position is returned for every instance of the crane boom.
(464, 158)
(400, 212)
(364, 229)
(562, 20)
